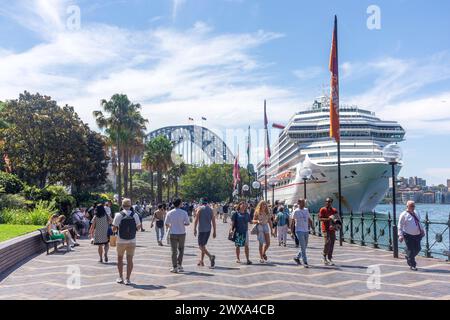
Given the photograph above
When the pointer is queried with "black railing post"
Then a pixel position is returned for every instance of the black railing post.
(362, 229)
(375, 240)
(427, 240)
(390, 231)
(313, 224)
(351, 227)
(319, 232)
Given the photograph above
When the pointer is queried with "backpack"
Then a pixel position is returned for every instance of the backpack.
(127, 227)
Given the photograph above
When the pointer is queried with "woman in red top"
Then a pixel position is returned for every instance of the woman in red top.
(328, 231)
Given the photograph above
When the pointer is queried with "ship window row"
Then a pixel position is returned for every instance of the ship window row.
(347, 134)
(343, 153)
(348, 126)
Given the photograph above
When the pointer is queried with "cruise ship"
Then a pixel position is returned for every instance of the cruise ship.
(305, 142)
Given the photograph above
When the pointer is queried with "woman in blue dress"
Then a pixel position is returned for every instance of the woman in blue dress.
(240, 220)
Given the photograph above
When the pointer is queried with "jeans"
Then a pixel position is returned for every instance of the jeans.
(177, 245)
(282, 233)
(412, 248)
(303, 239)
(330, 238)
(159, 234)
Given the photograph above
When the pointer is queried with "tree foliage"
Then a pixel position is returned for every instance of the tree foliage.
(214, 182)
(47, 144)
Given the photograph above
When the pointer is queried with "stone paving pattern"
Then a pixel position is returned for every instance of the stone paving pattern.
(46, 277)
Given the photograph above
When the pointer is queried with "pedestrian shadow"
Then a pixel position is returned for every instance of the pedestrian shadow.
(435, 271)
(352, 267)
(197, 274)
(190, 254)
(148, 287)
(325, 267)
(225, 268)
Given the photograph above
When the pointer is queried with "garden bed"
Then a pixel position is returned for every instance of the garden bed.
(8, 231)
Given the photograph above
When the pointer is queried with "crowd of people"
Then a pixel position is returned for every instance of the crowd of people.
(263, 220)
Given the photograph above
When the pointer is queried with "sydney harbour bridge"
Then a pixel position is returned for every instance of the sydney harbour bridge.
(195, 144)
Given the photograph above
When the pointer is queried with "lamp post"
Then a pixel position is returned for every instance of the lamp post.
(273, 182)
(245, 189)
(392, 153)
(256, 185)
(305, 174)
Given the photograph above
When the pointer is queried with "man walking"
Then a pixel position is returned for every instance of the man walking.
(328, 231)
(176, 221)
(411, 231)
(127, 223)
(204, 218)
(303, 221)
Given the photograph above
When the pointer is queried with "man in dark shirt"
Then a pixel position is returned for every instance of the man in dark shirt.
(328, 231)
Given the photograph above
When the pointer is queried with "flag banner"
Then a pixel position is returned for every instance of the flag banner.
(191, 119)
(249, 145)
(278, 126)
(267, 152)
(236, 172)
(204, 119)
(334, 98)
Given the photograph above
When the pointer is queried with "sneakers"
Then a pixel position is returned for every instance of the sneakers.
(325, 261)
(331, 262)
(213, 262)
(127, 282)
(306, 265)
(413, 268)
(297, 261)
(119, 280)
(262, 261)
(180, 269)
(249, 262)
(174, 270)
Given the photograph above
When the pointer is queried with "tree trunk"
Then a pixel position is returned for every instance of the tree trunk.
(125, 171)
(176, 187)
(168, 189)
(119, 175)
(160, 191)
(153, 186)
(131, 178)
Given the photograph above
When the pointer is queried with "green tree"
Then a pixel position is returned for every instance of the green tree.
(158, 157)
(214, 182)
(45, 143)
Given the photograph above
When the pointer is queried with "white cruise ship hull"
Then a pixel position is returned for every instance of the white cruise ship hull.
(361, 192)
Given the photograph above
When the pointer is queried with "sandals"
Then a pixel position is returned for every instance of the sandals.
(200, 264)
(238, 261)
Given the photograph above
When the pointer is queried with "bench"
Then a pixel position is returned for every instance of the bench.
(46, 239)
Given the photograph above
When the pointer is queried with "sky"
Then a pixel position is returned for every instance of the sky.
(220, 59)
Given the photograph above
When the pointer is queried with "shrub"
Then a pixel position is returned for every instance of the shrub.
(12, 201)
(64, 202)
(86, 199)
(37, 217)
(10, 183)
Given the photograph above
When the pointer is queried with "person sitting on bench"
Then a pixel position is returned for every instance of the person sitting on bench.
(54, 233)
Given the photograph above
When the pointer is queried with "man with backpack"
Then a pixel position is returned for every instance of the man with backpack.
(127, 223)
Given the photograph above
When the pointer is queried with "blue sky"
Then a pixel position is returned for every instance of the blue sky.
(221, 58)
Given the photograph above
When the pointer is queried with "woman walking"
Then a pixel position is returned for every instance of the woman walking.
(99, 231)
(159, 217)
(265, 229)
(240, 220)
(282, 221)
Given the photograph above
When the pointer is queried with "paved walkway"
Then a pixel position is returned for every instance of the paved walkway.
(46, 277)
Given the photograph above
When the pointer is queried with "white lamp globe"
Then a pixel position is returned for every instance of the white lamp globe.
(245, 188)
(305, 173)
(392, 153)
(256, 185)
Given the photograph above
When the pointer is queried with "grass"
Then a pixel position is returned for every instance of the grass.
(9, 231)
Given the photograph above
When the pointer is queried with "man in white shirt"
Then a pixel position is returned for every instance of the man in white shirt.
(176, 221)
(127, 223)
(303, 221)
(411, 231)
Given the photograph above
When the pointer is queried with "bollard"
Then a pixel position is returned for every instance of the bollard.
(363, 243)
(390, 231)
(375, 240)
(427, 240)
(351, 227)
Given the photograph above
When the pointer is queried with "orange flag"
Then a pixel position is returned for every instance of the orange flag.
(334, 99)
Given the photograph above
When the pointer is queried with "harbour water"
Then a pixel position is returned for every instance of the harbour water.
(436, 212)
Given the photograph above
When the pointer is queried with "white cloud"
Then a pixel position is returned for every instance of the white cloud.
(176, 4)
(308, 73)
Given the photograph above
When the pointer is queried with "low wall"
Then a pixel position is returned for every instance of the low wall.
(17, 250)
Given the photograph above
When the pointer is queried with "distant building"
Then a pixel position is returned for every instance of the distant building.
(428, 197)
(448, 185)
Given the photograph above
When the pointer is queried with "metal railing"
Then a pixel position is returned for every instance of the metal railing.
(375, 229)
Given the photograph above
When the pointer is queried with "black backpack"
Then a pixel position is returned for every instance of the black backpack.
(127, 227)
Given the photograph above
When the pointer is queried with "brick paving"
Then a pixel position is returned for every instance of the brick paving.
(46, 277)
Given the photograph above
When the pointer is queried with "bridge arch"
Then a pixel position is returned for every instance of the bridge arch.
(197, 145)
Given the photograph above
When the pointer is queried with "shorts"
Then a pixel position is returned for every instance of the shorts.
(241, 239)
(129, 248)
(262, 230)
(203, 238)
(57, 236)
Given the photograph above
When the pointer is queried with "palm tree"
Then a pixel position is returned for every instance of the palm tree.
(122, 123)
(176, 172)
(158, 157)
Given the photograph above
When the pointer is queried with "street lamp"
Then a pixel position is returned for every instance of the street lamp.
(392, 153)
(305, 174)
(273, 182)
(256, 185)
(245, 189)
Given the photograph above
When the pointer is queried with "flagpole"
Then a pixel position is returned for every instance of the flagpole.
(265, 152)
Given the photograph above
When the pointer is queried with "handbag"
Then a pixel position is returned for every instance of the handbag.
(254, 230)
(232, 235)
(113, 240)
